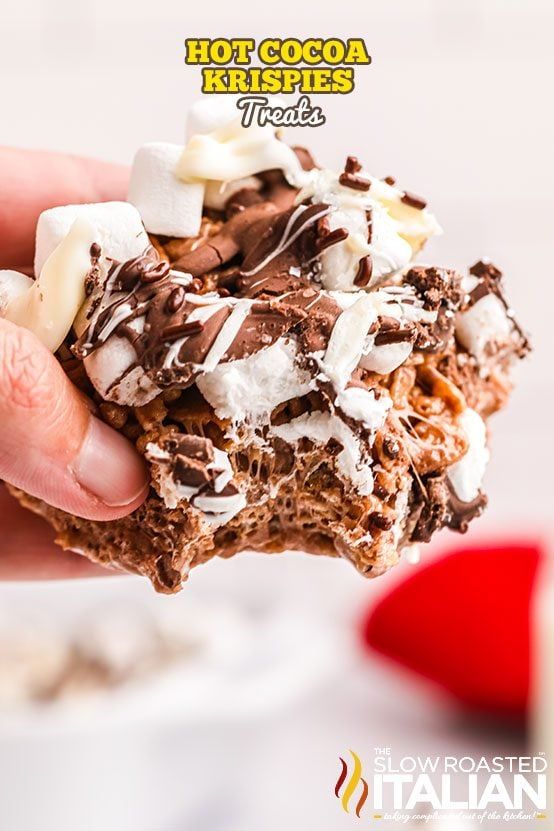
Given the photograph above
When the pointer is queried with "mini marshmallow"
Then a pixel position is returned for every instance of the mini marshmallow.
(386, 358)
(484, 323)
(211, 113)
(166, 204)
(466, 475)
(249, 388)
(12, 284)
(120, 232)
(347, 341)
(111, 361)
(362, 405)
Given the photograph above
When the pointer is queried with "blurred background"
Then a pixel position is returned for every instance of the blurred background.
(229, 706)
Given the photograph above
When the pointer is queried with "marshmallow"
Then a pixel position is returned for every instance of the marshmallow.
(362, 405)
(347, 341)
(249, 388)
(386, 358)
(107, 369)
(210, 113)
(340, 262)
(484, 323)
(12, 284)
(167, 205)
(466, 475)
(233, 152)
(120, 232)
(49, 306)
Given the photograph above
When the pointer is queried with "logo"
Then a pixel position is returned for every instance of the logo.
(501, 788)
(282, 66)
(350, 786)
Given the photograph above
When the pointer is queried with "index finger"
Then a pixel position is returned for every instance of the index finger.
(33, 180)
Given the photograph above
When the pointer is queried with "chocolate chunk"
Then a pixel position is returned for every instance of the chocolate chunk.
(191, 473)
(438, 506)
(380, 521)
(440, 290)
(487, 270)
(391, 447)
(461, 513)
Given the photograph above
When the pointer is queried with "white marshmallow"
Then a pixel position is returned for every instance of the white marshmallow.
(210, 113)
(252, 387)
(362, 405)
(386, 358)
(166, 204)
(466, 476)
(233, 152)
(110, 362)
(484, 323)
(389, 251)
(121, 234)
(347, 341)
(12, 284)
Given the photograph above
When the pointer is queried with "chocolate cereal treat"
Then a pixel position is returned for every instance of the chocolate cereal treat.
(256, 325)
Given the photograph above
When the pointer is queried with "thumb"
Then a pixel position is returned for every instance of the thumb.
(51, 445)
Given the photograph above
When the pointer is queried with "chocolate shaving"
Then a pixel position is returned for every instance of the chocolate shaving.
(326, 240)
(369, 217)
(175, 300)
(365, 270)
(394, 336)
(349, 180)
(413, 200)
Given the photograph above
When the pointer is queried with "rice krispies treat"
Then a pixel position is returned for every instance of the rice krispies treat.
(293, 380)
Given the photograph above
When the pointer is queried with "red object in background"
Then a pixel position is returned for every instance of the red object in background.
(464, 622)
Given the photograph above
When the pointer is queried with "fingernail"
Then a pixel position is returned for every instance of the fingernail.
(109, 467)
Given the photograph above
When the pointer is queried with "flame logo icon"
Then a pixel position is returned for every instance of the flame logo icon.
(351, 785)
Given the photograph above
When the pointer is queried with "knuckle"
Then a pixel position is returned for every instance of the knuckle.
(25, 370)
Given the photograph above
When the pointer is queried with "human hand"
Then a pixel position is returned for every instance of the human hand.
(51, 443)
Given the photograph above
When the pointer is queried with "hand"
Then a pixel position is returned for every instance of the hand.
(51, 443)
